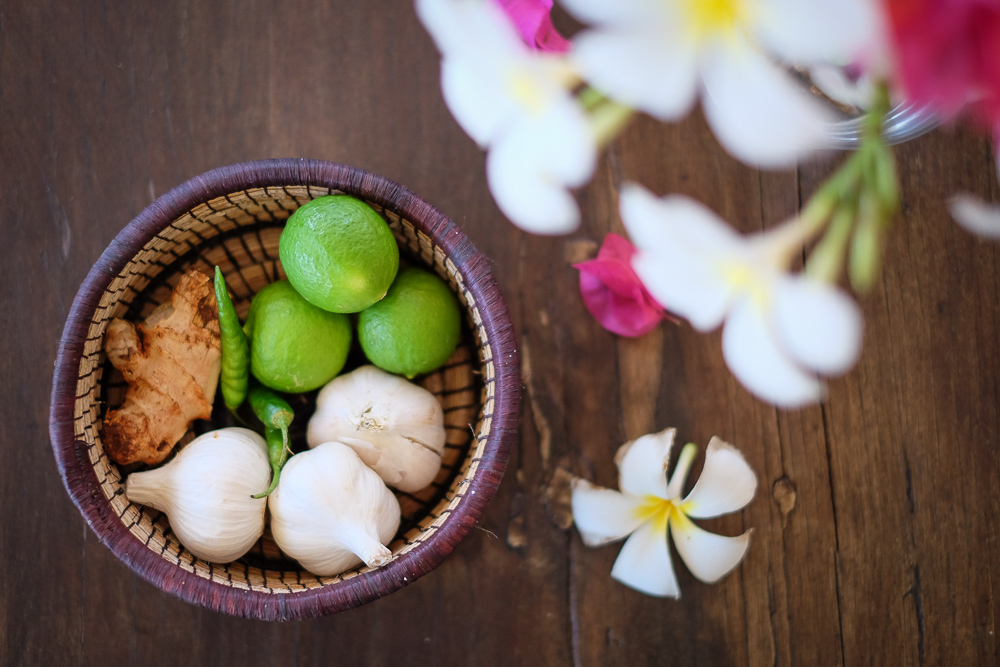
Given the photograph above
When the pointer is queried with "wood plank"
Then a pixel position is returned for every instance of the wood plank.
(875, 526)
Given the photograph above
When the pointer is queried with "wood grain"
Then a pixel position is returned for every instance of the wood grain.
(876, 535)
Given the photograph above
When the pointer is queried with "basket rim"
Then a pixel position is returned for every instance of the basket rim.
(81, 481)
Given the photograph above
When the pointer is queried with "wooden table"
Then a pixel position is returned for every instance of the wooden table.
(875, 526)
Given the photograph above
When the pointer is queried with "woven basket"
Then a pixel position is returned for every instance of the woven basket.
(232, 217)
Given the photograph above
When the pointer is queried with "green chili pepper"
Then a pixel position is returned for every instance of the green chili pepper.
(235, 350)
(277, 416)
(277, 455)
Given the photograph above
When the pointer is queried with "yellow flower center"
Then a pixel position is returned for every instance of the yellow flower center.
(745, 280)
(716, 18)
(526, 90)
(659, 511)
(535, 87)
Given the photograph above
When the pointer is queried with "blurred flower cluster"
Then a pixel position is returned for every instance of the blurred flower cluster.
(543, 106)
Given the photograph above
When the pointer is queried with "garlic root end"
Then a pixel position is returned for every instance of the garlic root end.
(376, 557)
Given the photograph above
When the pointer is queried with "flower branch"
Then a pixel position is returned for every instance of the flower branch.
(544, 107)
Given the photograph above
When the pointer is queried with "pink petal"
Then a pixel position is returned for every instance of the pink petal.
(948, 54)
(534, 24)
(616, 247)
(612, 291)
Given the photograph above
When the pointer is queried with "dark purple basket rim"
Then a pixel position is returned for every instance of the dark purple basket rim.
(81, 480)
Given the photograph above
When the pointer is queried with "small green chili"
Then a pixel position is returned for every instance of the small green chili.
(277, 416)
(235, 373)
(277, 455)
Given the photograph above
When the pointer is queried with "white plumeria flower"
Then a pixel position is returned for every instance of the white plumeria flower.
(648, 506)
(781, 329)
(517, 102)
(659, 56)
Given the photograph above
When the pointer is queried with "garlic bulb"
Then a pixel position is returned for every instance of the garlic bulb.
(395, 426)
(331, 512)
(206, 493)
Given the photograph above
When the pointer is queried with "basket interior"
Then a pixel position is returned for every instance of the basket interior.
(239, 233)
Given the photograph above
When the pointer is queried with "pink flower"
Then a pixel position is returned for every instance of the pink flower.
(613, 293)
(534, 24)
(948, 55)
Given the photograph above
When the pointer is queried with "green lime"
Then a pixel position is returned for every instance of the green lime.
(415, 328)
(294, 346)
(339, 253)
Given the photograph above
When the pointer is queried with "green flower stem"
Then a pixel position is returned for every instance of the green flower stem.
(607, 120)
(589, 98)
(827, 259)
(854, 207)
(886, 182)
(866, 246)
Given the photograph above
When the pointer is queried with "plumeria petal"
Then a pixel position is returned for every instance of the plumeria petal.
(976, 216)
(679, 240)
(973, 214)
(641, 68)
(757, 112)
(727, 483)
(531, 166)
(603, 515)
(628, 12)
(613, 293)
(478, 105)
(818, 325)
(468, 29)
(644, 562)
(947, 55)
(709, 556)
(489, 77)
(618, 313)
(819, 31)
(642, 464)
(756, 360)
(533, 21)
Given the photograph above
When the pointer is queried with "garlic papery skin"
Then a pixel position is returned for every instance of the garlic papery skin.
(206, 492)
(395, 426)
(330, 511)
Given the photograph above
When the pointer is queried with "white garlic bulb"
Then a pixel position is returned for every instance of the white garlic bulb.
(206, 492)
(330, 511)
(395, 426)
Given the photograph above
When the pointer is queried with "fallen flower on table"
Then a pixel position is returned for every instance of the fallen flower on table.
(648, 507)
(613, 293)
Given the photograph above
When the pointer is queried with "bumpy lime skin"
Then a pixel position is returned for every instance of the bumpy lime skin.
(415, 328)
(294, 346)
(339, 253)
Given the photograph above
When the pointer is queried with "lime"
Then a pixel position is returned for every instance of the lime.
(415, 328)
(339, 253)
(294, 346)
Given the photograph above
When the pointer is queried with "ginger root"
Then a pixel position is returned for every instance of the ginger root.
(171, 363)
